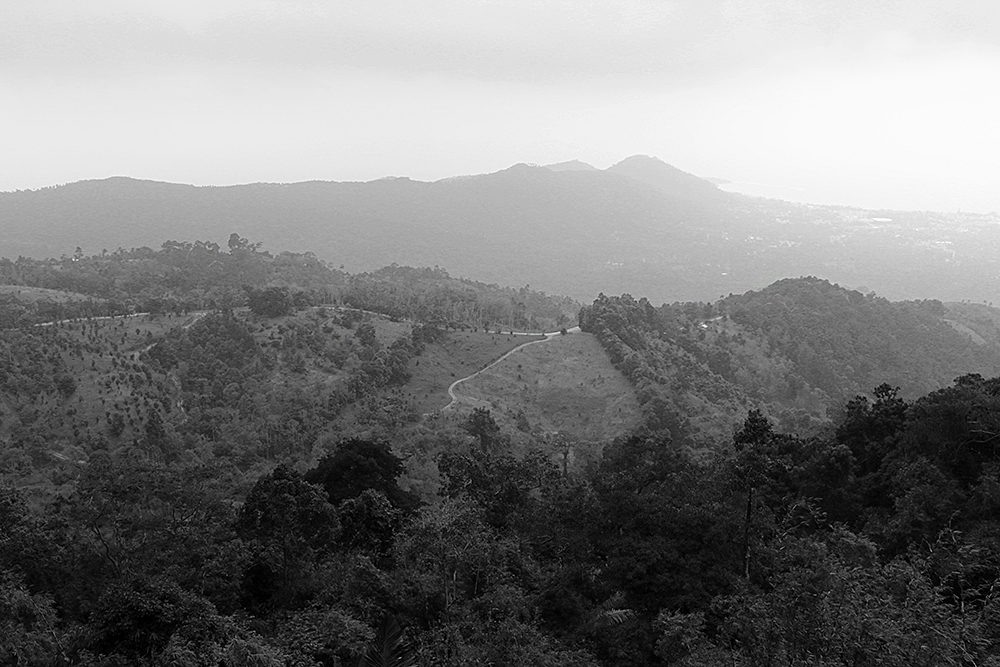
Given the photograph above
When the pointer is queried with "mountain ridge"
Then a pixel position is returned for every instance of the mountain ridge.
(640, 226)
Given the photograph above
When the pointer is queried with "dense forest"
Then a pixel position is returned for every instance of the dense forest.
(875, 543)
(215, 457)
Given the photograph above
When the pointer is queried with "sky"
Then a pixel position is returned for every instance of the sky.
(873, 103)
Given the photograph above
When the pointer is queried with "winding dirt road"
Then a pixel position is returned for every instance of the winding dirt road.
(548, 337)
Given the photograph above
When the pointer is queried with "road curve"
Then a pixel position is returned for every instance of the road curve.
(548, 337)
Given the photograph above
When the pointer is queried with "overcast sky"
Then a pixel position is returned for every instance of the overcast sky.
(878, 103)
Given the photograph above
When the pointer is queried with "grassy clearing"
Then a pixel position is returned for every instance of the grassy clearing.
(566, 385)
(456, 355)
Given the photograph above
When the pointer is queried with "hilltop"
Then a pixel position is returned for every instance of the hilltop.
(192, 352)
(797, 350)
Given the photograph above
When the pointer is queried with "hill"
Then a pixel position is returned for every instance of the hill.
(565, 385)
(571, 165)
(212, 386)
(190, 351)
(184, 276)
(669, 180)
(797, 349)
(640, 226)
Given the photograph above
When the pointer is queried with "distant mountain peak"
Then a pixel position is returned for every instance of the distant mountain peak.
(572, 165)
(640, 159)
(664, 177)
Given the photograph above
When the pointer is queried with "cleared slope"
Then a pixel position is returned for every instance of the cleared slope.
(565, 385)
(455, 355)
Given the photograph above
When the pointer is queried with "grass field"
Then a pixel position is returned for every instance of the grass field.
(456, 355)
(565, 385)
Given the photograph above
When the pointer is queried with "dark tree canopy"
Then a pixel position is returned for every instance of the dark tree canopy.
(270, 301)
(357, 465)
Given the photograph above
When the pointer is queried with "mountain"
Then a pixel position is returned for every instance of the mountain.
(574, 232)
(669, 180)
(640, 226)
(572, 165)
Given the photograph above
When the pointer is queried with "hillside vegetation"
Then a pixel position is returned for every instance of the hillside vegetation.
(797, 350)
(191, 352)
(230, 458)
(186, 276)
(563, 386)
(874, 543)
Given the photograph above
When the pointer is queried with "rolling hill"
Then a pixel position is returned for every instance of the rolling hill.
(798, 349)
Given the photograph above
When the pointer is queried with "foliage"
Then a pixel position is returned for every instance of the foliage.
(145, 617)
(28, 625)
(359, 465)
(797, 349)
(483, 427)
(270, 301)
(288, 526)
(387, 648)
(225, 488)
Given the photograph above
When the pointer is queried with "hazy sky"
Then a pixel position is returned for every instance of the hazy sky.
(891, 103)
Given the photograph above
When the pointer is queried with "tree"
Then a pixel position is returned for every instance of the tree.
(270, 301)
(27, 547)
(504, 486)
(658, 525)
(387, 648)
(369, 523)
(357, 465)
(767, 467)
(28, 625)
(481, 425)
(450, 556)
(143, 618)
(237, 243)
(136, 518)
(288, 524)
(831, 601)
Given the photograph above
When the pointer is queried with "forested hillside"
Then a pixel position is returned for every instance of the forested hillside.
(192, 352)
(183, 276)
(226, 457)
(797, 350)
(873, 544)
